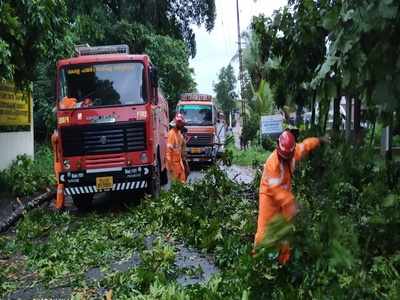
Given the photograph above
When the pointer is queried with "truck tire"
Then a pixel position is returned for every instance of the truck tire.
(164, 177)
(163, 173)
(83, 202)
(155, 183)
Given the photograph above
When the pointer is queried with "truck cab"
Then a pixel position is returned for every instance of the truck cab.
(205, 129)
(112, 123)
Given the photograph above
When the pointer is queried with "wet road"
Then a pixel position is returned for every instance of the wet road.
(239, 174)
(187, 258)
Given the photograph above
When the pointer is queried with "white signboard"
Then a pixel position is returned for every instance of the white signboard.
(271, 124)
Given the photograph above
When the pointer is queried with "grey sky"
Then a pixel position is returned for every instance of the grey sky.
(216, 49)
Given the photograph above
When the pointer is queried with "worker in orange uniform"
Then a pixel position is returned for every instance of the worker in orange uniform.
(275, 196)
(55, 141)
(175, 150)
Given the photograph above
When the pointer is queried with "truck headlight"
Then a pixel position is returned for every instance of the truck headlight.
(143, 157)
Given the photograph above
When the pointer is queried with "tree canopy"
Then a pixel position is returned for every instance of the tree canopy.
(165, 17)
(30, 31)
(35, 34)
(225, 89)
(318, 51)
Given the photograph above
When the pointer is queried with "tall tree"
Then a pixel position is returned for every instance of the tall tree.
(167, 17)
(363, 53)
(225, 89)
(29, 31)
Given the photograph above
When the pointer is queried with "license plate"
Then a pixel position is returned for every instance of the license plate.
(104, 183)
(196, 150)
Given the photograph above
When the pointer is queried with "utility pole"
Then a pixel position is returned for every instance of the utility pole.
(240, 63)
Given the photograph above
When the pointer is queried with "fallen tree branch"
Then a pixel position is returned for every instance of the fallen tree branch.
(25, 207)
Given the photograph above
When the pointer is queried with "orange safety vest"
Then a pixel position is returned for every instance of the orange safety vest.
(175, 147)
(276, 186)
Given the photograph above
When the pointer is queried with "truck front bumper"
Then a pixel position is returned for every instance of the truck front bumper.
(199, 154)
(108, 179)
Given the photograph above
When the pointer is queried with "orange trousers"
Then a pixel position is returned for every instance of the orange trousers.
(57, 169)
(268, 208)
(177, 171)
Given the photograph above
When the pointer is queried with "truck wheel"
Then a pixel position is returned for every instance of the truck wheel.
(83, 202)
(164, 177)
(155, 183)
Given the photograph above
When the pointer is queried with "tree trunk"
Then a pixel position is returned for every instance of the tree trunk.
(336, 115)
(357, 120)
(28, 205)
(313, 110)
(321, 115)
(326, 117)
(336, 111)
(299, 111)
(348, 117)
(387, 139)
(396, 124)
(371, 142)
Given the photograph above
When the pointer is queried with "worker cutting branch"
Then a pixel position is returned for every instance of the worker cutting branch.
(276, 195)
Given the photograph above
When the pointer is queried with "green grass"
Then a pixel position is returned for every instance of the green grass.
(254, 155)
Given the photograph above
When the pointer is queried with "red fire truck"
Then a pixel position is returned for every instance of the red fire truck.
(206, 127)
(112, 123)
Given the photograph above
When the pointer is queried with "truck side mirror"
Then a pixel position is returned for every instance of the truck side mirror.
(154, 77)
(154, 83)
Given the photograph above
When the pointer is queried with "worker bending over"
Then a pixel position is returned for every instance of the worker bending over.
(276, 195)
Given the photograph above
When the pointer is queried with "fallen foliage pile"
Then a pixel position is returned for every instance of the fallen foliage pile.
(345, 239)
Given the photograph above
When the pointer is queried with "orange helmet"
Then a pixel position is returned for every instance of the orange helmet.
(286, 145)
(179, 119)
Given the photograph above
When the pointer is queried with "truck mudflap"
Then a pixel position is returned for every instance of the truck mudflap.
(104, 180)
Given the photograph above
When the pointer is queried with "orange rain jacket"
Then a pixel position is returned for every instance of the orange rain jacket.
(175, 148)
(57, 169)
(276, 187)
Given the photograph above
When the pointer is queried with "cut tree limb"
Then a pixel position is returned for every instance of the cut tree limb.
(25, 207)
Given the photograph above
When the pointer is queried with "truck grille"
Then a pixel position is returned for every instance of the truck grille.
(103, 138)
(105, 161)
(200, 140)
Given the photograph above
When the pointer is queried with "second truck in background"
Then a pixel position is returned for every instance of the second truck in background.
(205, 127)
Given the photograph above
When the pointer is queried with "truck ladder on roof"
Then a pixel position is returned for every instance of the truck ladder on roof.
(84, 50)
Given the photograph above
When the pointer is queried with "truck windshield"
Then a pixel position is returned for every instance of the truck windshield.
(196, 114)
(92, 85)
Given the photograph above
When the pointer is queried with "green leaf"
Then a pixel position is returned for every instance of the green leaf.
(346, 78)
(347, 46)
(390, 200)
(348, 15)
(323, 71)
(329, 22)
(331, 90)
(383, 95)
(387, 11)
